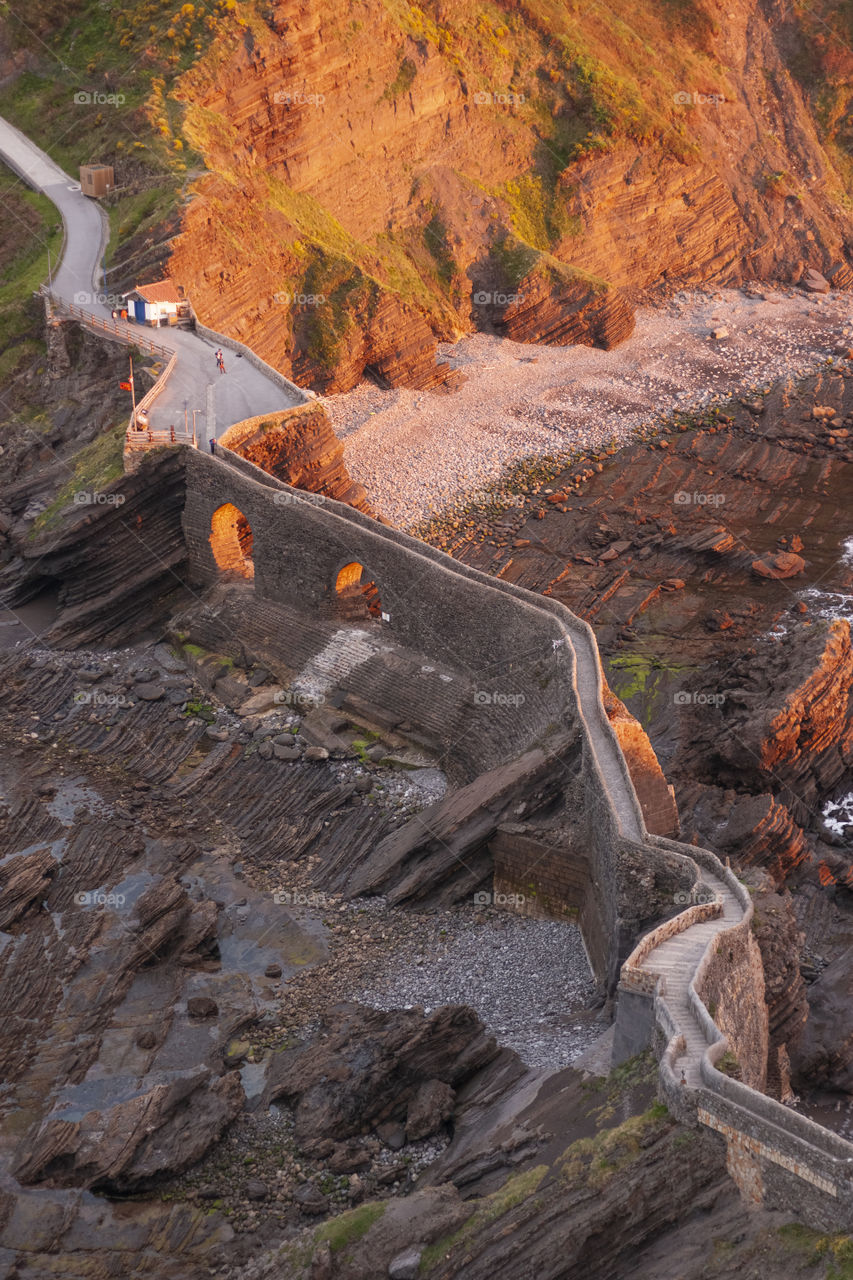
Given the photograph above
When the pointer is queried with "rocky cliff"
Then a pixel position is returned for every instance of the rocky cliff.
(788, 724)
(114, 564)
(300, 448)
(342, 185)
(382, 175)
(781, 944)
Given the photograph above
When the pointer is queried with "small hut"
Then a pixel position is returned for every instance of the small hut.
(156, 304)
(96, 180)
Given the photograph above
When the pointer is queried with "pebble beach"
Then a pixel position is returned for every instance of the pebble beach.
(418, 452)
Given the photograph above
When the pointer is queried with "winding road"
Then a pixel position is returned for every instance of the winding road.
(242, 392)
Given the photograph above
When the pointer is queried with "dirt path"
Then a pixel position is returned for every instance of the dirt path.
(416, 451)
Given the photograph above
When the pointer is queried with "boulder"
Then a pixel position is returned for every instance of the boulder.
(779, 564)
(150, 691)
(24, 881)
(392, 1134)
(202, 1007)
(310, 1199)
(431, 1107)
(406, 1265)
(159, 1129)
(322, 728)
(348, 1157)
(231, 690)
(266, 699)
(368, 1067)
(814, 282)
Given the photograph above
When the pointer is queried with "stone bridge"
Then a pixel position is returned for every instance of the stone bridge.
(488, 674)
(510, 673)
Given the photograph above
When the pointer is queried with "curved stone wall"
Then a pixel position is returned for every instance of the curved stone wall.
(507, 640)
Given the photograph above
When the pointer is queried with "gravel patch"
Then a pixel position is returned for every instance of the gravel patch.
(529, 980)
(417, 451)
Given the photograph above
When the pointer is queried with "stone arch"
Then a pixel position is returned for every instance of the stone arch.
(356, 593)
(232, 541)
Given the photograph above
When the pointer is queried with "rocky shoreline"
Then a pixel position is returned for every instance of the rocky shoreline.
(418, 453)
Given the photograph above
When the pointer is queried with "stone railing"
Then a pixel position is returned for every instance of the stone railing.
(633, 973)
(776, 1155)
(795, 1147)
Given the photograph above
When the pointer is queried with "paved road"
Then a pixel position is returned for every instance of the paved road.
(243, 391)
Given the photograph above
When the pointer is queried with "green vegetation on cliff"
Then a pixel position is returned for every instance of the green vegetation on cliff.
(32, 233)
(509, 103)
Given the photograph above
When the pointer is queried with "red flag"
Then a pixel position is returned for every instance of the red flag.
(125, 386)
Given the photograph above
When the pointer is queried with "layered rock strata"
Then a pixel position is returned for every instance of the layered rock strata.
(299, 447)
(382, 210)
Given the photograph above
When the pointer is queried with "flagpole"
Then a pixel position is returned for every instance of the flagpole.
(132, 392)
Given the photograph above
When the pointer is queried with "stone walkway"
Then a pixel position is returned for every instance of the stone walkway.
(244, 392)
(676, 961)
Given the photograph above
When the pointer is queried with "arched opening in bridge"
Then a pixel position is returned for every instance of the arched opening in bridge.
(231, 541)
(356, 595)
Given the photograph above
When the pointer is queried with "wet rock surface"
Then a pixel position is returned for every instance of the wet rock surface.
(186, 952)
(159, 951)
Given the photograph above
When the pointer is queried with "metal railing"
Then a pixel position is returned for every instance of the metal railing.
(120, 330)
(151, 395)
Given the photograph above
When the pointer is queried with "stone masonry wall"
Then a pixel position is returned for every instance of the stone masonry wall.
(732, 989)
(510, 648)
(515, 648)
(521, 684)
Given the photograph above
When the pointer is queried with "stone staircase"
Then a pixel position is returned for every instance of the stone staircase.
(676, 960)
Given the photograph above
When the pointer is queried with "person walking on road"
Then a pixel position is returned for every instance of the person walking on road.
(213, 444)
(220, 361)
